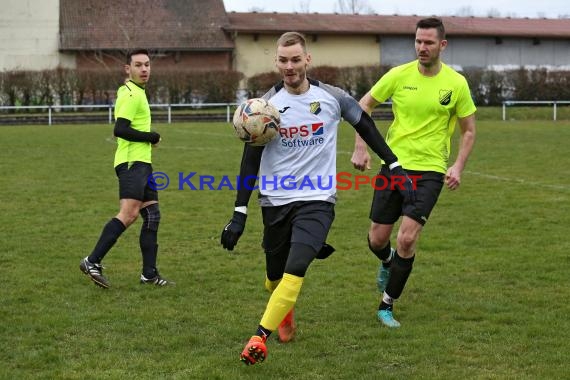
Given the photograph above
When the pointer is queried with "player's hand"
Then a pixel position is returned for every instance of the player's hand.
(453, 178)
(233, 230)
(361, 159)
(156, 145)
(404, 184)
(154, 138)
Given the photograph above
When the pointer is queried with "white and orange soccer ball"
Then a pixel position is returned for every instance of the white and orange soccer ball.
(256, 122)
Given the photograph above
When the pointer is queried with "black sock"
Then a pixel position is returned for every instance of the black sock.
(111, 232)
(401, 269)
(387, 264)
(149, 250)
(385, 306)
(262, 332)
(382, 253)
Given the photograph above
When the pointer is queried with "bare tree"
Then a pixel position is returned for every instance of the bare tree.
(304, 6)
(465, 11)
(353, 7)
(493, 12)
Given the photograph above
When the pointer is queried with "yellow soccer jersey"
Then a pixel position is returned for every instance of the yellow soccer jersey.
(132, 105)
(425, 112)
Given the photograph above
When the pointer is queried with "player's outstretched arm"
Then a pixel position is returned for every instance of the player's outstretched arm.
(250, 161)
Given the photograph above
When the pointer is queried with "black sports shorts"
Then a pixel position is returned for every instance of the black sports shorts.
(387, 205)
(134, 181)
(305, 222)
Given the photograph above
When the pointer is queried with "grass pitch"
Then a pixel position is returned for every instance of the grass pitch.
(489, 296)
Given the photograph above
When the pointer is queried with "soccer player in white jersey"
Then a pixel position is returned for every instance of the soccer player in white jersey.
(296, 176)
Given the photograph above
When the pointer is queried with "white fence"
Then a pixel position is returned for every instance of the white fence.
(51, 110)
(554, 103)
(106, 111)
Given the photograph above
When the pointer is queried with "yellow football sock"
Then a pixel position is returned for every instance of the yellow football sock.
(281, 301)
(271, 285)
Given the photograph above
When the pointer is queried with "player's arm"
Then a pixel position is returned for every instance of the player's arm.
(250, 162)
(368, 132)
(360, 157)
(467, 140)
(370, 136)
(124, 130)
(353, 113)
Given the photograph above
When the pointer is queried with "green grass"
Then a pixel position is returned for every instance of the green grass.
(489, 296)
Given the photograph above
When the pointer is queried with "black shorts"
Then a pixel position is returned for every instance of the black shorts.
(305, 222)
(387, 205)
(134, 181)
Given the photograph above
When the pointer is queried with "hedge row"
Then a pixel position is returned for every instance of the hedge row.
(73, 87)
(487, 87)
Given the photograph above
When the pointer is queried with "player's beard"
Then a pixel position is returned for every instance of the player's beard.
(295, 82)
(431, 62)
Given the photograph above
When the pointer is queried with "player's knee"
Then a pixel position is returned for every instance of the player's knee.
(377, 242)
(406, 242)
(127, 217)
(300, 257)
(380, 251)
(151, 217)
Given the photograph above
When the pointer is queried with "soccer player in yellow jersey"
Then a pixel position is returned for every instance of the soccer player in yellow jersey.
(428, 98)
(133, 168)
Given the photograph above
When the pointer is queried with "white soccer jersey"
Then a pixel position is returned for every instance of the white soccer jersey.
(300, 165)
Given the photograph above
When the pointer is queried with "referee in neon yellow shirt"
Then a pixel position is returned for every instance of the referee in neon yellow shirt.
(428, 98)
(133, 166)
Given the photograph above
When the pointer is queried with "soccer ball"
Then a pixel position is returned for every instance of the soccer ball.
(256, 122)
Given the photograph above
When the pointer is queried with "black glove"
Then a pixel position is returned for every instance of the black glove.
(404, 184)
(154, 137)
(326, 251)
(233, 230)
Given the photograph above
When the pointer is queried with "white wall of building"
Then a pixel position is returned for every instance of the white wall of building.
(257, 55)
(29, 36)
(485, 52)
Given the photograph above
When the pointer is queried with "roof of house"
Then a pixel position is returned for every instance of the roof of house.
(159, 24)
(320, 23)
(204, 25)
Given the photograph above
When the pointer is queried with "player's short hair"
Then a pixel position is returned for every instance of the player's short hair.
(135, 52)
(292, 38)
(432, 22)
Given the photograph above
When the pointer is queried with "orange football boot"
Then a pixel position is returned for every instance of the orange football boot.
(287, 328)
(254, 351)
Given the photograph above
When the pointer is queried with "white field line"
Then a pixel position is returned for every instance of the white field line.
(520, 181)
